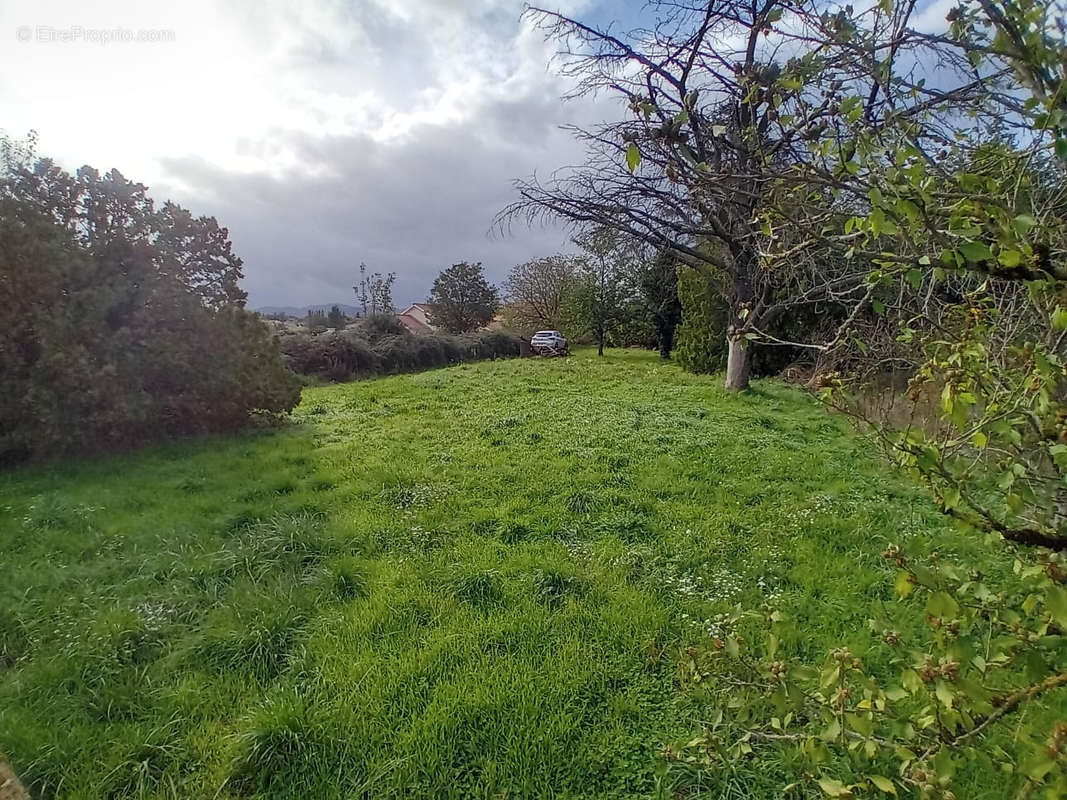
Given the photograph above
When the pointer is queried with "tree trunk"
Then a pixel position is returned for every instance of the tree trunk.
(742, 299)
(600, 346)
(738, 361)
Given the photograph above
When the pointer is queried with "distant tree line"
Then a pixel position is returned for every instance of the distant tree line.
(614, 291)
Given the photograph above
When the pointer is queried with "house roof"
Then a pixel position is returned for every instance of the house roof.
(413, 324)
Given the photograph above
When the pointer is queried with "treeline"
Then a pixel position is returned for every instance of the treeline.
(120, 321)
(379, 345)
(617, 291)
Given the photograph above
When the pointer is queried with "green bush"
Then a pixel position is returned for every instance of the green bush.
(344, 356)
(330, 354)
(373, 327)
(701, 342)
(112, 335)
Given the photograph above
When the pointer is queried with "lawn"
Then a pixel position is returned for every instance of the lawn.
(472, 582)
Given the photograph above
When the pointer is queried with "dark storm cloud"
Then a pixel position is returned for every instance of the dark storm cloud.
(412, 206)
(452, 100)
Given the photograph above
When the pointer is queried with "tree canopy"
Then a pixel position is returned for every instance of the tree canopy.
(120, 322)
(462, 299)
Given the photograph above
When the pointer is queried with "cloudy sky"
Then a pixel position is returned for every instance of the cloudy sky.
(322, 134)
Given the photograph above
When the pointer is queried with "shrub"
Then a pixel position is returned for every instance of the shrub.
(343, 356)
(333, 355)
(109, 338)
(701, 344)
(497, 344)
(373, 327)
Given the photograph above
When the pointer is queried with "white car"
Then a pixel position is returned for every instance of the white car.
(548, 343)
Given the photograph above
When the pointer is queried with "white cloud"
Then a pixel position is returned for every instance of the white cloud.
(386, 128)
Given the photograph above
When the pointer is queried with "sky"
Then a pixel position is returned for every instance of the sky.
(322, 134)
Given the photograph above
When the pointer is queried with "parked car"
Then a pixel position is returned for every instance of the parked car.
(549, 343)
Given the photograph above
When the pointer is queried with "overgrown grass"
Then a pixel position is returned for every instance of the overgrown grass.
(473, 582)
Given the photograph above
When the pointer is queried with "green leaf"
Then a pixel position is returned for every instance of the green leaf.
(1056, 603)
(904, 584)
(1059, 318)
(834, 788)
(1023, 224)
(911, 680)
(941, 604)
(1038, 767)
(732, 648)
(944, 693)
(883, 783)
(1010, 258)
(833, 730)
(633, 157)
(879, 307)
(975, 251)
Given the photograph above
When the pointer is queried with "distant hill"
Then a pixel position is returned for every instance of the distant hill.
(302, 311)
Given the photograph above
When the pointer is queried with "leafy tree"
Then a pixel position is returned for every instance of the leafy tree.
(203, 251)
(462, 299)
(336, 318)
(119, 324)
(968, 271)
(540, 292)
(659, 286)
(607, 275)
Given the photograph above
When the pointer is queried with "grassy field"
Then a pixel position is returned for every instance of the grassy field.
(472, 582)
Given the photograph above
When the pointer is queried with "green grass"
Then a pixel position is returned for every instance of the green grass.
(471, 582)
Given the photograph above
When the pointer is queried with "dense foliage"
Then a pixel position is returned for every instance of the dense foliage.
(120, 323)
(379, 345)
(461, 299)
(701, 346)
(659, 290)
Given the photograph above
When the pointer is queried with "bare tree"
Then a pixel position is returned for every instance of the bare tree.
(375, 291)
(745, 118)
(538, 291)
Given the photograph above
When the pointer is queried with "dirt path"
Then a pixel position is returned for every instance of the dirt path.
(10, 787)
